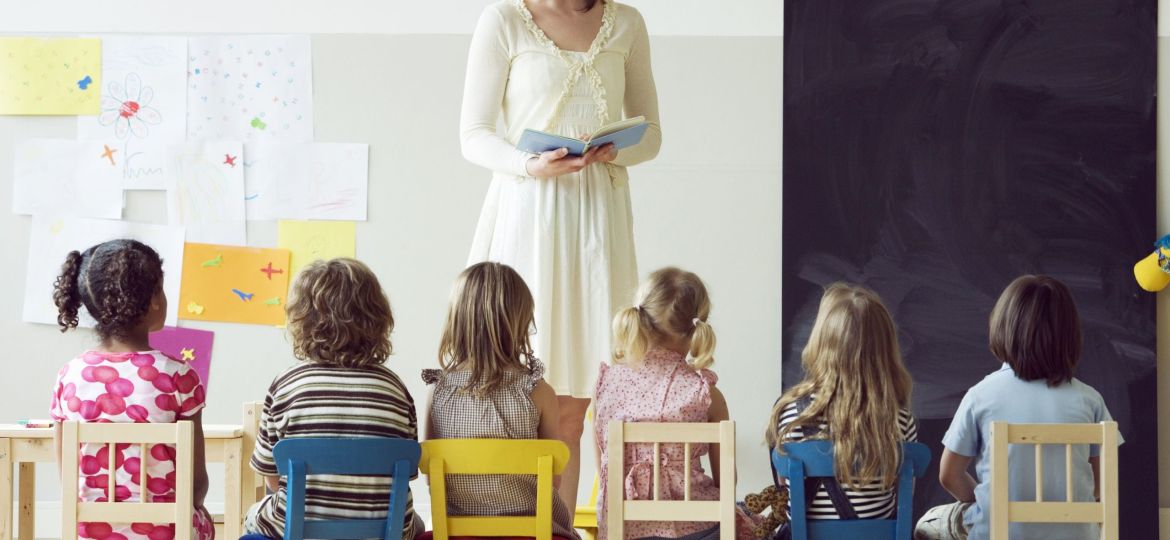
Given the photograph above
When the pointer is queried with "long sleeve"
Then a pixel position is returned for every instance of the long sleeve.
(488, 64)
(641, 99)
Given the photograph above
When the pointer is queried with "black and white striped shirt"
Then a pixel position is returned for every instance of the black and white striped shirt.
(316, 400)
(870, 501)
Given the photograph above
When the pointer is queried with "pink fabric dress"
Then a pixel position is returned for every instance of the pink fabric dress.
(129, 387)
(663, 388)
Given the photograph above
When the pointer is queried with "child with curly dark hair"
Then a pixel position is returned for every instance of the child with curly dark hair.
(340, 322)
(120, 284)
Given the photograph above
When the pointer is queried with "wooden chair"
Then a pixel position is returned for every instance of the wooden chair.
(180, 434)
(1004, 511)
(543, 458)
(814, 459)
(619, 510)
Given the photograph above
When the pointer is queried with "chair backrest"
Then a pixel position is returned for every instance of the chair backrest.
(251, 483)
(179, 434)
(298, 458)
(619, 510)
(814, 459)
(1004, 511)
(543, 458)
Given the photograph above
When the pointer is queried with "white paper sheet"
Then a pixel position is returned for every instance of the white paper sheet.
(250, 88)
(206, 194)
(67, 178)
(306, 180)
(144, 104)
(51, 238)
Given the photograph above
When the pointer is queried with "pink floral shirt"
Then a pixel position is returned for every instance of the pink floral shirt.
(662, 388)
(141, 387)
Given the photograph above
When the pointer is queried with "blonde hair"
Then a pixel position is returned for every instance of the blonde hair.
(488, 324)
(338, 314)
(854, 373)
(671, 305)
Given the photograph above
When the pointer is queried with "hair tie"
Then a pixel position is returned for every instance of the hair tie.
(695, 322)
(638, 308)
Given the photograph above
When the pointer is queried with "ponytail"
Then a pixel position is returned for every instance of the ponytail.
(702, 345)
(66, 295)
(631, 339)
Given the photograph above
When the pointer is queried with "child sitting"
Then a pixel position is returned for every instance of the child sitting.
(1036, 333)
(123, 379)
(491, 387)
(659, 374)
(340, 322)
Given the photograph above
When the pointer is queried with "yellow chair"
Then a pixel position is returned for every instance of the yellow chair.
(619, 510)
(543, 458)
(1004, 511)
(179, 512)
(585, 517)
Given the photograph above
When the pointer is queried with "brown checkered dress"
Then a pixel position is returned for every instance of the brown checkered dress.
(508, 413)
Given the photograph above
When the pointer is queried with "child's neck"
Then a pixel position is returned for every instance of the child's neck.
(681, 346)
(137, 341)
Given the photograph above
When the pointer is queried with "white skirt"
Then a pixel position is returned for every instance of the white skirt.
(572, 240)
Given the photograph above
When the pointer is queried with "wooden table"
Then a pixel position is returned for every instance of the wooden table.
(25, 447)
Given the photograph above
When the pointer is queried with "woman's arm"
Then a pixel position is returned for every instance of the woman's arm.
(641, 100)
(716, 413)
(200, 461)
(488, 64)
(953, 475)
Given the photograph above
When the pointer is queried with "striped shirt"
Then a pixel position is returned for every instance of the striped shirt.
(317, 400)
(870, 500)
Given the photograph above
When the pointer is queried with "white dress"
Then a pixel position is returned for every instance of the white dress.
(570, 237)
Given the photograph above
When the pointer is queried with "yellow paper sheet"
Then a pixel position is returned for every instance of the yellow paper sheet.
(50, 76)
(309, 241)
(234, 284)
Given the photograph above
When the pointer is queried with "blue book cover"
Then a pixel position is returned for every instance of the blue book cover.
(622, 134)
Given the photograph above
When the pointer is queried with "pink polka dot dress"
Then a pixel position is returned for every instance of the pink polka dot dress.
(136, 387)
(662, 388)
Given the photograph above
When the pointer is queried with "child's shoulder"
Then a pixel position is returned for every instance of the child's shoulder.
(311, 373)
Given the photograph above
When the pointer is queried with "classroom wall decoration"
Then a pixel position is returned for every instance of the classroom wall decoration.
(934, 151)
(234, 284)
(309, 241)
(250, 88)
(67, 177)
(206, 191)
(52, 238)
(187, 345)
(50, 76)
(143, 104)
(326, 181)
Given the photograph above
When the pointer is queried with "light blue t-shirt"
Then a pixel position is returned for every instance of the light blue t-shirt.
(1001, 396)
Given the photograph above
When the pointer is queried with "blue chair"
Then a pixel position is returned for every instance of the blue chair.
(814, 459)
(297, 458)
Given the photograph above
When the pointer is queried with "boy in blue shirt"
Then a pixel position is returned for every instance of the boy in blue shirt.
(1036, 332)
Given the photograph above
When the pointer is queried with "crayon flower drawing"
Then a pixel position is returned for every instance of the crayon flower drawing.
(127, 108)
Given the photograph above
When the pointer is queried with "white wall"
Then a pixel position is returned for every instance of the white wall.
(664, 17)
(708, 203)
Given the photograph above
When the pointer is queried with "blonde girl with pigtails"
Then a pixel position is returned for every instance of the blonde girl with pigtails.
(663, 347)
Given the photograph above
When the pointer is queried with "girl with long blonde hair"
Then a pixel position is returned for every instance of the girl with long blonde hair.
(855, 393)
(664, 346)
(492, 387)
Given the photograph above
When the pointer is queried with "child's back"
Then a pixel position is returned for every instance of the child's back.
(1001, 396)
(663, 388)
(506, 412)
(330, 401)
(491, 387)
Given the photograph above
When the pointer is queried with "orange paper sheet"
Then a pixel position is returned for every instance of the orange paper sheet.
(234, 284)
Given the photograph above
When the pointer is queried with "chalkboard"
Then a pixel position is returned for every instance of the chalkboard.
(935, 150)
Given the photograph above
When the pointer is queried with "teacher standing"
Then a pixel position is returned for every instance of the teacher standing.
(563, 222)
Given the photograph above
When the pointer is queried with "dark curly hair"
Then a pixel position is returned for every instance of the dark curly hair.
(114, 280)
(339, 315)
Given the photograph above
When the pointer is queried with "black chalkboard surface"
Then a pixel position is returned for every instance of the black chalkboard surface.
(935, 150)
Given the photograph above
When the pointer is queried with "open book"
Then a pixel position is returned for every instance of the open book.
(622, 134)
